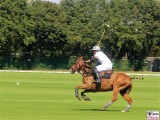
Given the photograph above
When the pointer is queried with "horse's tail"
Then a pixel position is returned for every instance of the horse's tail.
(137, 78)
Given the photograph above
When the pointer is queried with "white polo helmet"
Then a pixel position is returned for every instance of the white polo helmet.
(96, 48)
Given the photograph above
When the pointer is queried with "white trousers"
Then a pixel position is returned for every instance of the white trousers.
(104, 67)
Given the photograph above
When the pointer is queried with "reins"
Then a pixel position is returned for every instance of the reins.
(84, 70)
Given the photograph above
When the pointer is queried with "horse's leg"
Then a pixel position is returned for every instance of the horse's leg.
(84, 86)
(124, 91)
(125, 95)
(84, 96)
(77, 94)
(114, 98)
(129, 100)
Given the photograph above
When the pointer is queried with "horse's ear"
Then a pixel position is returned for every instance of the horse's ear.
(79, 56)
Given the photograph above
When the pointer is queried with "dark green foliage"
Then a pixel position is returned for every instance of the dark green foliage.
(42, 34)
(131, 32)
(30, 33)
(72, 60)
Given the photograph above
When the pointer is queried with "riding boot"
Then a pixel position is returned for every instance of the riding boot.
(96, 76)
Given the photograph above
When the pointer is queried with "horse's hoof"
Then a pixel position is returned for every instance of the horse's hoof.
(88, 99)
(103, 109)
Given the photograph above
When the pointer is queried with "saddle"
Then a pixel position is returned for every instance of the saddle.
(106, 74)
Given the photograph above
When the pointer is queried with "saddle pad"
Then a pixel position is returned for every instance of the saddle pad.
(107, 75)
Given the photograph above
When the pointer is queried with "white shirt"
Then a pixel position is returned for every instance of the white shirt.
(102, 58)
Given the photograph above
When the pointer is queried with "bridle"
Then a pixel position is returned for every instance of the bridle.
(76, 67)
(81, 67)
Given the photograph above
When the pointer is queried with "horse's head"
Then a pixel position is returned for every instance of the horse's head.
(81, 66)
(77, 66)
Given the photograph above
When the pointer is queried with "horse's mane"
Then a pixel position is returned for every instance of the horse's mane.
(87, 69)
(86, 64)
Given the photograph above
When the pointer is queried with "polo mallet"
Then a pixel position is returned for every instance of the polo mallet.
(105, 25)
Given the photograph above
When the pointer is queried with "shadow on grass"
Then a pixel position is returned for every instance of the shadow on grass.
(96, 110)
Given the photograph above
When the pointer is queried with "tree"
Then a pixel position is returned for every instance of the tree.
(31, 31)
(43, 32)
(11, 35)
(85, 20)
(132, 29)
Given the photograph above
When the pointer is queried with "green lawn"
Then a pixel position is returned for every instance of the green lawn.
(48, 96)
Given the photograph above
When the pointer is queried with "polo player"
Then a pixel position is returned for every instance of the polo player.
(105, 63)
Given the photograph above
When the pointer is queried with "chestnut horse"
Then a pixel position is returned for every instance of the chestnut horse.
(118, 83)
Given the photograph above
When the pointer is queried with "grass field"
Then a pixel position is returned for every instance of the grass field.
(47, 96)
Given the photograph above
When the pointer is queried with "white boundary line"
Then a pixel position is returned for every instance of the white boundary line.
(65, 72)
(144, 74)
